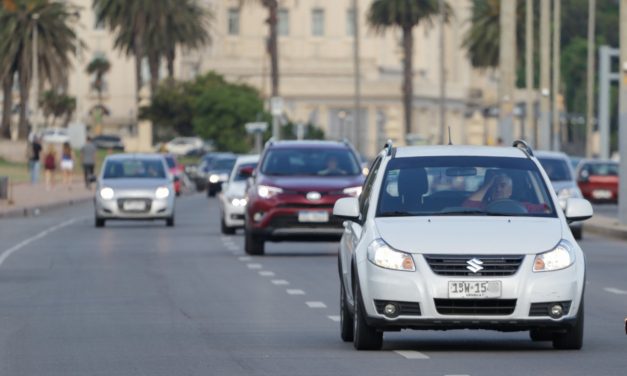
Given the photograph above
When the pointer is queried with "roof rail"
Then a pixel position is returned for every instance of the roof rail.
(269, 142)
(389, 145)
(524, 146)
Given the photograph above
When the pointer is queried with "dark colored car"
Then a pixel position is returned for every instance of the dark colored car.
(108, 142)
(200, 175)
(294, 189)
(598, 180)
(218, 172)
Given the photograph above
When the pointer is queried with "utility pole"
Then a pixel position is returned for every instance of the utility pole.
(544, 134)
(35, 98)
(357, 74)
(507, 68)
(442, 77)
(531, 132)
(622, 116)
(590, 78)
(555, 111)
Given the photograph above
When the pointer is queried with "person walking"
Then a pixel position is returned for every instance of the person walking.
(50, 166)
(67, 164)
(88, 158)
(34, 152)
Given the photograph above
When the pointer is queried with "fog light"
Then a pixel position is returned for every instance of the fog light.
(390, 310)
(556, 311)
(258, 216)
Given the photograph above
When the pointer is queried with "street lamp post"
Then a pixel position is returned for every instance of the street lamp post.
(35, 95)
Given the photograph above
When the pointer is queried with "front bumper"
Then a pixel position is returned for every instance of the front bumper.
(114, 209)
(234, 216)
(429, 290)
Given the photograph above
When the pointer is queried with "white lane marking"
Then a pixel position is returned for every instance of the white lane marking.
(409, 354)
(616, 291)
(295, 292)
(5, 255)
(280, 282)
(316, 305)
(266, 273)
(254, 266)
(245, 258)
(334, 318)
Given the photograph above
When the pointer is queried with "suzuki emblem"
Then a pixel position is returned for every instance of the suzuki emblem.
(474, 265)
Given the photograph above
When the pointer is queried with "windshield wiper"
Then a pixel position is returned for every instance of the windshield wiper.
(396, 213)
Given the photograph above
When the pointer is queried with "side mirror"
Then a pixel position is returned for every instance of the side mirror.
(246, 172)
(578, 209)
(347, 208)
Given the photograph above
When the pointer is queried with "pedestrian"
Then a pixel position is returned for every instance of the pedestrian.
(34, 152)
(50, 166)
(88, 158)
(67, 164)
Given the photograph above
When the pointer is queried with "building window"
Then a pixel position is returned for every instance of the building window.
(234, 21)
(317, 22)
(284, 22)
(350, 22)
(99, 25)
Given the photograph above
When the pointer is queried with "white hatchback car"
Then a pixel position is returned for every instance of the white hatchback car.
(460, 237)
(233, 197)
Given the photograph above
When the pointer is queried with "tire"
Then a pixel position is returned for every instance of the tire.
(211, 192)
(577, 232)
(572, 338)
(365, 336)
(99, 222)
(539, 335)
(347, 324)
(170, 221)
(253, 245)
(226, 230)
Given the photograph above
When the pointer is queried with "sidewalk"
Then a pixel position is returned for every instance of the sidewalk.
(30, 199)
(607, 226)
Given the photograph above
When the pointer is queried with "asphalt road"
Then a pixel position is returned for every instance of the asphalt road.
(143, 299)
(606, 210)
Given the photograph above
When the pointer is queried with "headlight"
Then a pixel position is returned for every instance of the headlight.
(365, 171)
(266, 191)
(162, 192)
(381, 254)
(568, 193)
(559, 258)
(237, 202)
(353, 191)
(214, 178)
(107, 193)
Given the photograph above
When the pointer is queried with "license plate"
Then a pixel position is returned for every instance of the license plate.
(313, 216)
(601, 194)
(474, 289)
(134, 205)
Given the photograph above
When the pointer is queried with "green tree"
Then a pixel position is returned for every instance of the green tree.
(56, 44)
(99, 66)
(171, 110)
(405, 15)
(57, 106)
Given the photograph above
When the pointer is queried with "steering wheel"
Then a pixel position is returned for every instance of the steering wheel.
(506, 206)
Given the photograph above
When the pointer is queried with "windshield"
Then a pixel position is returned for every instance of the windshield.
(134, 168)
(310, 162)
(171, 162)
(463, 186)
(223, 164)
(241, 177)
(556, 169)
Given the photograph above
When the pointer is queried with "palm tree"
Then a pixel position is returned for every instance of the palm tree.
(57, 42)
(406, 15)
(99, 66)
(273, 46)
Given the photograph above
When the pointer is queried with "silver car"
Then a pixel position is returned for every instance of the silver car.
(134, 187)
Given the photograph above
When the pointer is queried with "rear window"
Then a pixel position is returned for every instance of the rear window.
(134, 168)
(310, 162)
(556, 169)
(171, 162)
(224, 164)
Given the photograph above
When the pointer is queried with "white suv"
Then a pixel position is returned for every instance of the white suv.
(460, 237)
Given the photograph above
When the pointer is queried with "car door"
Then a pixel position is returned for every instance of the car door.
(353, 229)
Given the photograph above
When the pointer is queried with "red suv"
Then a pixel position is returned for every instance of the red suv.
(294, 189)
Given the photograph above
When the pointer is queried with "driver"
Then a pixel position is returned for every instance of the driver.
(332, 168)
(498, 188)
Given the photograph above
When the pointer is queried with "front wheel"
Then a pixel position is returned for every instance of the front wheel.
(572, 338)
(347, 324)
(226, 230)
(253, 245)
(99, 222)
(366, 337)
(577, 232)
(170, 222)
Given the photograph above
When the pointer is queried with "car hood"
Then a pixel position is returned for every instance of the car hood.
(470, 235)
(134, 183)
(312, 183)
(236, 189)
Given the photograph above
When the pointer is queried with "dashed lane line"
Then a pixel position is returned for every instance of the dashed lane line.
(245, 258)
(334, 318)
(295, 292)
(266, 273)
(409, 354)
(280, 282)
(254, 266)
(616, 291)
(316, 305)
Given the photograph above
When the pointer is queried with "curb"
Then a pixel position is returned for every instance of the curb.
(33, 211)
(611, 231)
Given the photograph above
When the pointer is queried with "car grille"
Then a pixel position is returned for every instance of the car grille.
(543, 309)
(123, 200)
(475, 307)
(305, 206)
(291, 221)
(404, 308)
(456, 265)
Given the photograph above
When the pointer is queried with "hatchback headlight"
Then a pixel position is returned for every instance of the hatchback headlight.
(382, 255)
(162, 192)
(353, 191)
(238, 202)
(266, 191)
(107, 193)
(213, 178)
(561, 257)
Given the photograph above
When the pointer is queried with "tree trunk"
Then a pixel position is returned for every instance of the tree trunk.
(139, 57)
(170, 57)
(23, 124)
(7, 106)
(273, 47)
(154, 62)
(408, 76)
